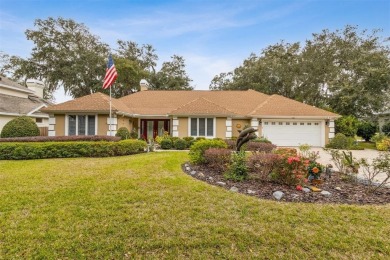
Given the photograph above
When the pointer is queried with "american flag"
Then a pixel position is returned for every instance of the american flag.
(111, 73)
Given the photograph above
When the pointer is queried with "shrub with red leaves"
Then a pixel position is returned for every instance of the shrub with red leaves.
(218, 158)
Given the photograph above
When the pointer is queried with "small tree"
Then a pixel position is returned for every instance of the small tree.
(20, 127)
(347, 125)
(366, 130)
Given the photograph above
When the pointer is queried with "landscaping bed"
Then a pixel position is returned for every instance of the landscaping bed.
(342, 189)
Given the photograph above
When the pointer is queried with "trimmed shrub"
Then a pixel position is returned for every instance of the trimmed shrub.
(42, 150)
(340, 141)
(263, 164)
(383, 145)
(72, 138)
(200, 138)
(189, 140)
(123, 133)
(231, 144)
(180, 144)
(133, 134)
(198, 148)
(347, 125)
(386, 129)
(238, 169)
(217, 158)
(166, 144)
(20, 127)
(262, 140)
(260, 147)
(366, 130)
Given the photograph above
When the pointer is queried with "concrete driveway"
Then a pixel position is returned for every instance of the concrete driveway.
(369, 154)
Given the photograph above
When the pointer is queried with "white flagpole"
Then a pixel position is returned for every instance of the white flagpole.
(110, 109)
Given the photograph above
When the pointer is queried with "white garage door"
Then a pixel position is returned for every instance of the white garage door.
(288, 133)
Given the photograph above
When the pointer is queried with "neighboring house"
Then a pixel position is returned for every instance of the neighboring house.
(383, 118)
(209, 114)
(16, 100)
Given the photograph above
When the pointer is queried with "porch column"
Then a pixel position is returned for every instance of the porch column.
(255, 124)
(229, 127)
(175, 127)
(52, 125)
(331, 129)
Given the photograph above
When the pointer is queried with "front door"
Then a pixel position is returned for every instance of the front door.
(150, 128)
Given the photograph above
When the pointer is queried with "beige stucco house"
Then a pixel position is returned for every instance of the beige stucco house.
(209, 114)
(16, 100)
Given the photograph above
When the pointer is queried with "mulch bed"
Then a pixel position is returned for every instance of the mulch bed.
(347, 192)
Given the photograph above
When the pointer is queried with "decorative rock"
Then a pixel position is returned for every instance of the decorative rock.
(251, 192)
(193, 172)
(294, 196)
(278, 195)
(234, 189)
(201, 175)
(326, 193)
(306, 190)
(188, 168)
(221, 183)
(211, 178)
(338, 188)
(186, 165)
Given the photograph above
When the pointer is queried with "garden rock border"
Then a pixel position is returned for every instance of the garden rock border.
(335, 190)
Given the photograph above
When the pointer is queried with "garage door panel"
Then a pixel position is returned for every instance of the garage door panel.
(290, 134)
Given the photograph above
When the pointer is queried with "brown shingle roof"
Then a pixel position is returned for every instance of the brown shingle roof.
(202, 106)
(277, 105)
(248, 103)
(97, 102)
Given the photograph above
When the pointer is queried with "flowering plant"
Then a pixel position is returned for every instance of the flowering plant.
(314, 170)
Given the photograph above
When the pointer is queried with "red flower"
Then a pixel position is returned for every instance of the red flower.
(299, 187)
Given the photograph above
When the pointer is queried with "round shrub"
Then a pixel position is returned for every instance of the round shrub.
(347, 125)
(386, 129)
(198, 148)
(189, 140)
(20, 127)
(366, 130)
(123, 133)
(166, 144)
(340, 141)
(180, 144)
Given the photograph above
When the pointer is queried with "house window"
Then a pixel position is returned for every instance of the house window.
(308, 123)
(287, 123)
(202, 127)
(81, 125)
(265, 123)
(38, 120)
(273, 123)
(316, 123)
(280, 123)
(294, 123)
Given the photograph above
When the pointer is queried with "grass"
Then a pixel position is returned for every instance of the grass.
(143, 206)
(368, 145)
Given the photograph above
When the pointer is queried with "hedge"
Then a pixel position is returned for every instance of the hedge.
(62, 138)
(43, 150)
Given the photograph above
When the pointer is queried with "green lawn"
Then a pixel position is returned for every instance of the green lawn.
(368, 145)
(143, 206)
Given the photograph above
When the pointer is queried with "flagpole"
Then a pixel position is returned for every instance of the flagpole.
(110, 109)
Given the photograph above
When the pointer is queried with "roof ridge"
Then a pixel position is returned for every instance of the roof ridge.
(219, 105)
(262, 104)
(207, 100)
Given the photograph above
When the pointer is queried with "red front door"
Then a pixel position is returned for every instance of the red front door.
(150, 128)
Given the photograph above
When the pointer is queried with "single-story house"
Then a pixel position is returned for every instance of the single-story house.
(209, 114)
(16, 100)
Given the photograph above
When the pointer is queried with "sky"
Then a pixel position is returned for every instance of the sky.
(212, 36)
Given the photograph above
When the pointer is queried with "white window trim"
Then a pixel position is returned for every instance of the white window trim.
(77, 123)
(207, 137)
